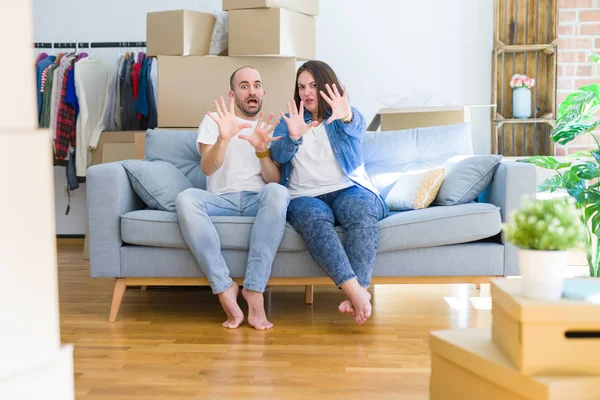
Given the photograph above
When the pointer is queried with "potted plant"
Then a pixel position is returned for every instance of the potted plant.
(521, 85)
(578, 175)
(544, 230)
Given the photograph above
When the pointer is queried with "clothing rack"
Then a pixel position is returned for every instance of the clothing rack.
(86, 45)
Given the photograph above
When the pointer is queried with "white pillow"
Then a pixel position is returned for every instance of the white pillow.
(415, 190)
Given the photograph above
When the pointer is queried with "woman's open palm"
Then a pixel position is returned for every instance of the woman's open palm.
(297, 127)
(340, 107)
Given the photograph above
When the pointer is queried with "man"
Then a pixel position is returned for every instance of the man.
(241, 181)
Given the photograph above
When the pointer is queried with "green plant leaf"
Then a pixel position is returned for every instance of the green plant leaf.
(545, 162)
(594, 57)
(587, 171)
(581, 154)
(552, 184)
(576, 114)
(575, 186)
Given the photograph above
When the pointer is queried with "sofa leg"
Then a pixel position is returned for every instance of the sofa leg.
(120, 286)
(308, 294)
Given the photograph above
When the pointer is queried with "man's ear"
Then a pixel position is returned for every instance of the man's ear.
(231, 94)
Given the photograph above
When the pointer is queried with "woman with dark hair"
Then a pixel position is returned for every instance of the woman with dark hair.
(322, 166)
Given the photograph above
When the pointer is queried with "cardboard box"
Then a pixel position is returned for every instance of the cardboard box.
(179, 33)
(271, 31)
(465, 364)
(391, 119)
(545, 337)
(309, 7)
(188, 86)
(119, 146)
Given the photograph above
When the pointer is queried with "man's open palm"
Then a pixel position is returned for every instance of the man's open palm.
(261, 136)
(229, 126)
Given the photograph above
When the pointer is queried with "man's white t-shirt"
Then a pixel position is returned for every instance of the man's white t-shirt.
(241, 168)
(315, 171)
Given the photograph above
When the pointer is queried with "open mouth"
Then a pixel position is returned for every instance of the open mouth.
(252, 102)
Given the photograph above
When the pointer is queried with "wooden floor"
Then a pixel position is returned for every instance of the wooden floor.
(167, 343)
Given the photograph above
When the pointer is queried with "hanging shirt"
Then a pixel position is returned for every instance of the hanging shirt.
(65, 121)
(40, 67)
(91, 82)
(109, 114)
(152, 112)
(141, 102)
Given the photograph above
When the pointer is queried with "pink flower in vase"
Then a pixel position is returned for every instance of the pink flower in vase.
(518, 83)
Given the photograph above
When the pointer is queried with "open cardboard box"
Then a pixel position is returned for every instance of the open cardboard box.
(391, 119)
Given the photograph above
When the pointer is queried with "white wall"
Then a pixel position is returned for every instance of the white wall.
(416, 50)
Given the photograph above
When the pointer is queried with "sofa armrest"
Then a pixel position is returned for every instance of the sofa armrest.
(513, 182)
(109, 195)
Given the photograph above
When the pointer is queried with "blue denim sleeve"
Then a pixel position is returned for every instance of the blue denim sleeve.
(355, 128)
(283, 150)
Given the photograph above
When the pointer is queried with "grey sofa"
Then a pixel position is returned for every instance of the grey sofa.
(452, 244)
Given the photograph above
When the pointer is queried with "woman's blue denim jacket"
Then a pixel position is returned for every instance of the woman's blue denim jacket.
(346, 143)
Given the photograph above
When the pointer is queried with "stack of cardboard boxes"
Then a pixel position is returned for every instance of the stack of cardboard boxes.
(535, 350)
(270, 35)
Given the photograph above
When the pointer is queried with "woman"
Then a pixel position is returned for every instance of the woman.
(322, 166)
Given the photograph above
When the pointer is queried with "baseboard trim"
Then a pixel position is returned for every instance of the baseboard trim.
(70, 240)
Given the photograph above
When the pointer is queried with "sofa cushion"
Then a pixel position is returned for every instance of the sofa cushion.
(466, 177)
(433, 226)
(415, 190)
(157, 183)
(438, 226)
(179, 148)
(161, 229)
(390, 152)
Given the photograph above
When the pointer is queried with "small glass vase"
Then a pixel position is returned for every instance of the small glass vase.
(592, 249)
(522, 102)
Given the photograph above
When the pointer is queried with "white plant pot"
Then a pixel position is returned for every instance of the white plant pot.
(543, 273)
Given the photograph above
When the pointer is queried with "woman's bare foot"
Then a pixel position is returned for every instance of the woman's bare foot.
(346, 307)
(360, 299)
(228, 300)
(256, 310)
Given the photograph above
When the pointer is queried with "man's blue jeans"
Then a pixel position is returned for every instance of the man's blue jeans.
(196, 206)
(357, 210)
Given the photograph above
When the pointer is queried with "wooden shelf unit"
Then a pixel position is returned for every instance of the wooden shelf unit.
(525, 42)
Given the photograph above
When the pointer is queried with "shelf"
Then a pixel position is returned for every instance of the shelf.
(525, 42)
(523, 48)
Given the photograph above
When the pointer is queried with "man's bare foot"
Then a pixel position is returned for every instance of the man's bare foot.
(360, 299)
(346, 307)
(228, 300)
(256, 310)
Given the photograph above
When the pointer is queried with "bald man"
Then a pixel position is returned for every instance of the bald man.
(242, 180)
